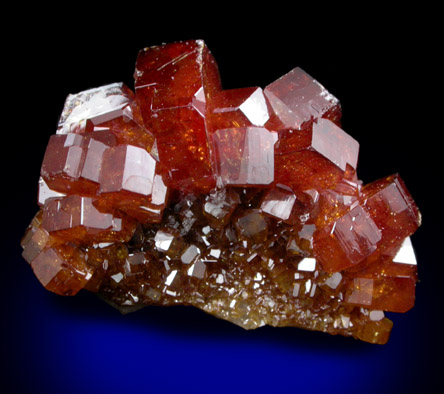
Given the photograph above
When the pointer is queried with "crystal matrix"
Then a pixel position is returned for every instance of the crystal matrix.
(244, 203)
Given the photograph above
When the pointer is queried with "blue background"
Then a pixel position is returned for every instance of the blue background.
(51, 344)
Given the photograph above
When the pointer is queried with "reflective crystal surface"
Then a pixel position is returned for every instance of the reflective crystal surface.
(174, 87)
(244, 156)
(297, 99)
(244, 203)
(239, 108)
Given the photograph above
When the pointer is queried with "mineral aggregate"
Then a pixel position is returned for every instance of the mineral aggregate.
(244, 203)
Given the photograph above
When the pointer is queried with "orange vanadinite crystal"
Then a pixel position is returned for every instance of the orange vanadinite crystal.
(76, 218)
(239, 108)
(174, 87)
(316, 156)
(245, 156)
(62, 269)
(392, 208)
(244, 203)
(130, 182)
(297, 99)
(103, 151)
(386, 284)
(72, 162)
(111, 107)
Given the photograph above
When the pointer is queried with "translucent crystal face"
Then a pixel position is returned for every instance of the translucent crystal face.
(245, 156)
(244, 203)
(297, 99)
(239, 108)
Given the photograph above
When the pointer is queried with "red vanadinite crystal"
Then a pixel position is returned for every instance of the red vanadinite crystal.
(297, 99)
(245, 202)
(239, 108)
(244, 156)
(174, 87)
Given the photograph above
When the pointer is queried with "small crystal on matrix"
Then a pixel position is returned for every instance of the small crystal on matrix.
(244, 203)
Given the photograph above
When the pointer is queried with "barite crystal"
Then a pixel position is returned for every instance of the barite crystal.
(244, 203)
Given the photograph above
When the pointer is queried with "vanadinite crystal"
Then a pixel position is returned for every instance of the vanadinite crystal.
(244, 203)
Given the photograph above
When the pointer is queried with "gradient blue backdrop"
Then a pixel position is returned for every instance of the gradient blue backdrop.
(52, 344)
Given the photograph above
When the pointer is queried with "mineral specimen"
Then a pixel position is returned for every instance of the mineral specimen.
(244, 203)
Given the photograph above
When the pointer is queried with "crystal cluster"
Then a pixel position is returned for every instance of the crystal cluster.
(244, 203)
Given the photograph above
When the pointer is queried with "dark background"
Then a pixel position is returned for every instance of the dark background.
(379, 63)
